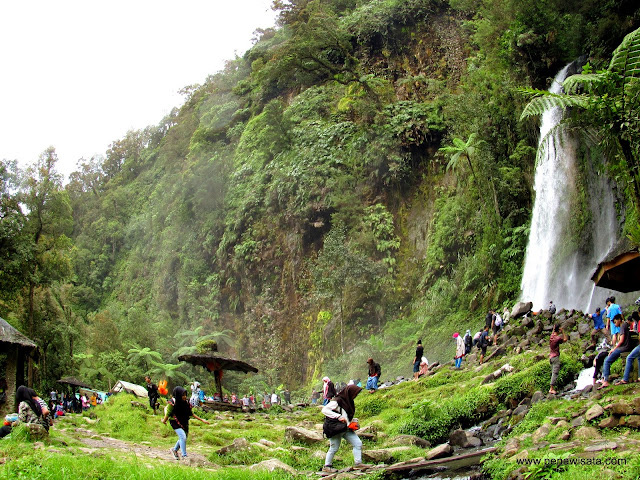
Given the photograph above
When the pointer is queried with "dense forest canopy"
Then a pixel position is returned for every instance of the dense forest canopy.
(360, 178)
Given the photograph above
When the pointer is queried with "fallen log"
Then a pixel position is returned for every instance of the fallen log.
(450, 463)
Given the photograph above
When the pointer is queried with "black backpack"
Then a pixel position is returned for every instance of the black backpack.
(332, 426)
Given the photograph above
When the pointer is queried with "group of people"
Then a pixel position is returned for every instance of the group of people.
(31, 410)
(617, 334)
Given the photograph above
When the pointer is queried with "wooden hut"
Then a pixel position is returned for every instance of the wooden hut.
(17, 348)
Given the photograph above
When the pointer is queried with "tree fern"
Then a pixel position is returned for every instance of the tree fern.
(626, 58)
(546, 100)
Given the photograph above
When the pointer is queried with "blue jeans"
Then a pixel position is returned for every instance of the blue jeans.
(181, 444)
(350, 437)
(372, 383)
(612, 357)
(458, 362)
(635, 353)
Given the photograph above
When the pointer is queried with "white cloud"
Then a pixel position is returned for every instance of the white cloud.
(78, 74)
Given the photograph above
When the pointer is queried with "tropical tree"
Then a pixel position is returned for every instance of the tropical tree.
(461, 150)
(144, 355)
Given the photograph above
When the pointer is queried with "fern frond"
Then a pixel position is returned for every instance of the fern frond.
(582, 82)
(540, 104)
(626, 58)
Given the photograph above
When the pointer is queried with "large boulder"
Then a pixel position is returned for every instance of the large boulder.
(385, 455)
(441, 451)
(520, 309)
(410, 440)
(237, 445)
(273, 464)
(303, 435)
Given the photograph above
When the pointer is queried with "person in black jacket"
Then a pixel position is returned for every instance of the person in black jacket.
(152, 390)
(179, 411)
(374, 375)
(417, 359)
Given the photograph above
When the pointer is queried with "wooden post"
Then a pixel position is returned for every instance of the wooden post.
(11, 376)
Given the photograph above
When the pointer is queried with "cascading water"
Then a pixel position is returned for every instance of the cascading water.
(557, 268)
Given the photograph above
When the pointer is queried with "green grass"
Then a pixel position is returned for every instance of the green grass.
(429, 408)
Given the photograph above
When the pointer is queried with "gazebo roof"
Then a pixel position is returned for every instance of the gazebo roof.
(212, 363)
(620, 270)
(73, 381)
(9, 334)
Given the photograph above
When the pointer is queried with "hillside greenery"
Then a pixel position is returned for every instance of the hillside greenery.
(358, 179)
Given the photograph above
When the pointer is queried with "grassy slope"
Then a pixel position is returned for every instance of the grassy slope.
(429, 408)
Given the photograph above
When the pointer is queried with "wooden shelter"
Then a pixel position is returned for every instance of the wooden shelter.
(17, 348)
(217, 365)
(620, 271)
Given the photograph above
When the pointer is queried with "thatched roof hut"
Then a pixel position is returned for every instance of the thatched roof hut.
(17, 346)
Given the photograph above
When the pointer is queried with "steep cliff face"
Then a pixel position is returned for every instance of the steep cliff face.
(302, 198)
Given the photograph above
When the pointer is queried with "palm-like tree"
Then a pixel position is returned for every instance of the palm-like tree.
(461, 150)
(145, 355)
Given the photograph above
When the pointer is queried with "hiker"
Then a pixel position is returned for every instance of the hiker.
(612, 310)
(328, 390)
(417, 359)
(489, 320)
(424, 366)
(598, 325)
(497, 326)
(634, 354)
(342, 408)
(287, 396)
(552, 308)
(179, 410)
(557, 337)
(598, 361)
(623, 345)
(476, 338)
(483, 342)
(374, 375)
(468, 342)
(195, 394)
(32, 409)
(459, 350)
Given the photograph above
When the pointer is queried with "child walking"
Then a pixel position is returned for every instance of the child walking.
(178, 411)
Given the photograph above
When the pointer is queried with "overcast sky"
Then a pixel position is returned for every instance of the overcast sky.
(78, 75)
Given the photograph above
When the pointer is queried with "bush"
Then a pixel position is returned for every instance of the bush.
(433, 422)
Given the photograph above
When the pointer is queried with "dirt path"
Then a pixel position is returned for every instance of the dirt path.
(95, 442)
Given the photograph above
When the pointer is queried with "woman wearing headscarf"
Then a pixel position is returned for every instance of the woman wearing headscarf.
(342, 408)
(328, 390)
(178, 411)
(31, 409)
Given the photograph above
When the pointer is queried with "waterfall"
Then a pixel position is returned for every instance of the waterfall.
(556, 269)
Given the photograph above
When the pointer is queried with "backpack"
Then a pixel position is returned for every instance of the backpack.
(498, 322)
(332, 426)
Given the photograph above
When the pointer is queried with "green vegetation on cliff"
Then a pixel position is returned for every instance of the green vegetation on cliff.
(358, 179)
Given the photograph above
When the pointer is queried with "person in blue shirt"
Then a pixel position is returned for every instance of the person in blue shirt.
(598, 325)
(613, 309)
